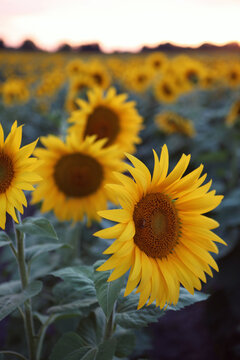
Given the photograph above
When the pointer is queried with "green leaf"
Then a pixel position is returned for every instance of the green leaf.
(37, 226)
(92, 328)
(129, 317)
(186, 299)
(10, 287)
(83, 306)
(125, 343)
(9, 303)
(34, 251)
(69, 347)
(106, 350)
(4, 243)
(107, 292)
(4, 237)
(78, 281)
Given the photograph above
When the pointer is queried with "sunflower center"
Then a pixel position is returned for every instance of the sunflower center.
(98, 78)
(156, 224)
(6, 172)
(78, 175)
(166, 89)
(104, 123)
(141, 78)
(192, 76)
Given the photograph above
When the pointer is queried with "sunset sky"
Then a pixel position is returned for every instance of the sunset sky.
(124, 25)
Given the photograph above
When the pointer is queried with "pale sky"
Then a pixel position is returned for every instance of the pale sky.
(123, 24)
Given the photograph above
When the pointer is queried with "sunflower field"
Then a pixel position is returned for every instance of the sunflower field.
(119, 206)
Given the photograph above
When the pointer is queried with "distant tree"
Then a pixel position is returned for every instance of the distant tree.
(28, 45)
(2, 45)
(64, 47)
(89, 48)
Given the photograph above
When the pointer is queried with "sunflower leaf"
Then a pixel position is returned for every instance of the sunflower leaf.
(9, 303)
(4, 243)
(34, 251)
(4, 238)
(125, 343)
(107, 292)
(71, 347)
(37, 226)
(186, 299)
(129, 317)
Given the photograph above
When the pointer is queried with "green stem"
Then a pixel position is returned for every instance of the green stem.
(41, 336)
(110, 324)
(29, 326)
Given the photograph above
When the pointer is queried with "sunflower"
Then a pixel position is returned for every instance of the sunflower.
(74, 175)
(139, 77)
(166, 89)
(234, 114)
(170, 122)
(80, 83)
(157, 61)
(232, 75)
(162, 236)
(15, 91)
(99, 74)
(17, 172)
(109, 116)
(75, 67)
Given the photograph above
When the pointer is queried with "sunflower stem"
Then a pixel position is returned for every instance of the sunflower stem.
(29, 326)
(110, 324)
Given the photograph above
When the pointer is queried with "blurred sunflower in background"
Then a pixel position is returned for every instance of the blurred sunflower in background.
(232, 74)
(139, 78)
(17, 172)
(157, 61)
(166, 89)
(109, 116)
(170, 122)
(74, 176)
(99, 74)
(161, 234)
(15, 91)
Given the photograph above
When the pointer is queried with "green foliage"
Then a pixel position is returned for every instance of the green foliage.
(11, 302)
(125, 343)
(33, 252)
(88, 343)
(37, 226)
(4, 239)
(129, 318)
(107, 292)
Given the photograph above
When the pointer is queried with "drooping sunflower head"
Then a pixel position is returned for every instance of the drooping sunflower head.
(75, 174)
(161, 234)
(110, 117)
(170, 122)
(17, 172)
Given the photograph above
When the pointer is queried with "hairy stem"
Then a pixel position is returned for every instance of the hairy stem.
(29, 326)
